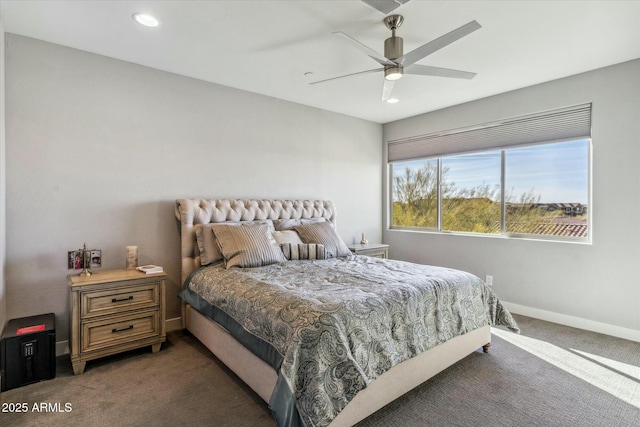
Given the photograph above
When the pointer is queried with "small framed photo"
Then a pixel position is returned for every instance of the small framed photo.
(96, 258)
(74, 260)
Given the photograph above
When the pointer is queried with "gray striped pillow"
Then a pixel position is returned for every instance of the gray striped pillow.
(208, 249)
(325, 234)
(247, 246)
(293, 251)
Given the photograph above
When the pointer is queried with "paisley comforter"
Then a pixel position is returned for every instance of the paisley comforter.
(330, 327)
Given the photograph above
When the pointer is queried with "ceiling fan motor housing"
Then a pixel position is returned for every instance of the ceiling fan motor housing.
(393, 47)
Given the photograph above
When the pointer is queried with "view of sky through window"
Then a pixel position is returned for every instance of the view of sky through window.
(558, 173)
(546, 190)
(474, 170)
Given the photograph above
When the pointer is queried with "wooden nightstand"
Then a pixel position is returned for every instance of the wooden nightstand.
(378, 250)
(114, 311)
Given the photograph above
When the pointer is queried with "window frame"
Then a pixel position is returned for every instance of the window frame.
(503, 233)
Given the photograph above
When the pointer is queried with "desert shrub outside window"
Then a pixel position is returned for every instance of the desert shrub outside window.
(538, 188)
(470, 189)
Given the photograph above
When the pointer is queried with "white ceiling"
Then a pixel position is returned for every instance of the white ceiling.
(267, 46)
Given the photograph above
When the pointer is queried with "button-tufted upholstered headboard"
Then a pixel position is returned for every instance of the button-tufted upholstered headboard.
(203, 211)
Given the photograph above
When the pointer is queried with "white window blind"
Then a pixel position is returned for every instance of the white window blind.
(555, 125)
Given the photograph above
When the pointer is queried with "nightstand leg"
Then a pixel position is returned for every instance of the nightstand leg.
(156, 347)
(78, 367)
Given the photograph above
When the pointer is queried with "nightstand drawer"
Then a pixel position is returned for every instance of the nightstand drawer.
(118, 330)
(112, 301)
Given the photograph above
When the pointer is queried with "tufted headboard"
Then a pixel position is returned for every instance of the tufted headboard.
(204, 211)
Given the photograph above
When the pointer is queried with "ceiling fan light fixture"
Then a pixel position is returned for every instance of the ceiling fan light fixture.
(393, 73)
(394, 59)
(145, 19)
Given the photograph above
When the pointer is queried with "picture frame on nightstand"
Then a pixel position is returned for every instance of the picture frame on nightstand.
(74, 260)
(96, 258)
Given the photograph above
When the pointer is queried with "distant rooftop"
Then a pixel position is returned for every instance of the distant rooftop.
(561, 226)
(575, 229)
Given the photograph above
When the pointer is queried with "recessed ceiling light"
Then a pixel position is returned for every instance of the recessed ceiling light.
(146, 20)
(392, 100)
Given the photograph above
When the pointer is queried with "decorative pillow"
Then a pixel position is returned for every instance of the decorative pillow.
(325, 234)
(248, 245)
(287, 236)
(207, 245)
(290, 224)
(294, 251)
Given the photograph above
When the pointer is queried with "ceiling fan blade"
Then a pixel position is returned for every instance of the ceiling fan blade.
(437, 44)
(387, 88)
(380, 59)
(348, 75)
(426, 70)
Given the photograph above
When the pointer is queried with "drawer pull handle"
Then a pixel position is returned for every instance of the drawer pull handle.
(114, 330)
(129, 298)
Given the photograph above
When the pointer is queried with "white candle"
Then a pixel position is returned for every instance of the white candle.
(132, 256)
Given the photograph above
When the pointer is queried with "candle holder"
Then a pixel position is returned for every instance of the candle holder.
(86, 261)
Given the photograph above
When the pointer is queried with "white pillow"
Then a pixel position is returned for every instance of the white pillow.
(289, 224)
(287, 236)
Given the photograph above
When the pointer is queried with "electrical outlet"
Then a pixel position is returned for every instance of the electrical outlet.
(488, 279)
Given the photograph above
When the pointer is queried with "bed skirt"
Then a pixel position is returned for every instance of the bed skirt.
(400, 379)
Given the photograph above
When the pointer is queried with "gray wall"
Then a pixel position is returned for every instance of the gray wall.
(98, 150)
(3, 210)
(593, 286)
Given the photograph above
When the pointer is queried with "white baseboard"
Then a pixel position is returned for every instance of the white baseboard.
(174, 324)
(574, 322)
(62, 348)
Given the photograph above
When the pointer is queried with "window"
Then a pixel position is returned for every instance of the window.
(415, 194)
(470, 189)
(528, 189)
(547, 189)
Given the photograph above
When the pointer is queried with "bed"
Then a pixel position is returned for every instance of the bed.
(325, 337)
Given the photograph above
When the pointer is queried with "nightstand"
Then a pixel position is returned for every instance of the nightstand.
(113, 311)
(378, 250)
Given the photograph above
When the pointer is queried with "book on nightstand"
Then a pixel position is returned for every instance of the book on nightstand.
(150, 269)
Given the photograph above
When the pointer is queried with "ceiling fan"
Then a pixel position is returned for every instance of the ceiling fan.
(395, 64)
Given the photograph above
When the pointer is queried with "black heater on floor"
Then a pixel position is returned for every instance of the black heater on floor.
(28, 351)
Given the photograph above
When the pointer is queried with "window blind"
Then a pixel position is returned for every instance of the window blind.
(555, 125)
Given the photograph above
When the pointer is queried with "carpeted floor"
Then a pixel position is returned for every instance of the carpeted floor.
(550, 375)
